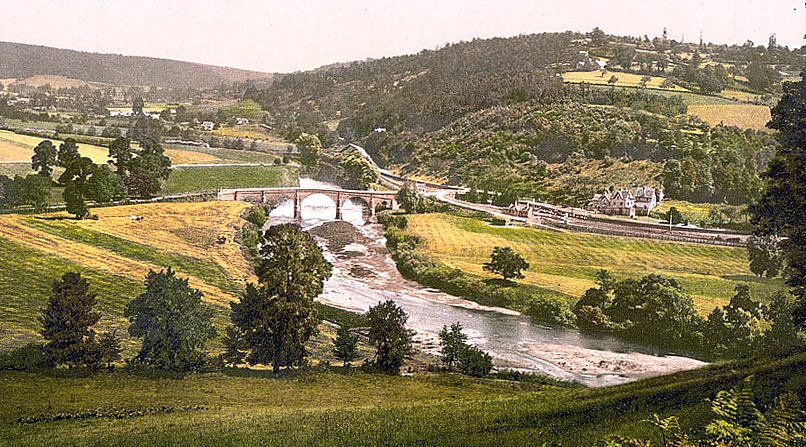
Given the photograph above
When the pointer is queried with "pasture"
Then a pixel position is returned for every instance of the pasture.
(568, 262)
(745, 116)
(624, 80)
(244, 408)
(211, 178)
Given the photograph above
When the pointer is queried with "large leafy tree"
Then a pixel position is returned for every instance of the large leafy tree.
(68, 153)
(389, 335)
(781, 211)
(75, 179)
(505, 262)
(44, 158)
(309, 148)
(277, 317)
(172, 321)
(67, 321)
(120, 151)
(655, 309)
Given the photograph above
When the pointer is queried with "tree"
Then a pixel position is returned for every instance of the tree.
(109, 346)
(137, 105)
(172, 321)
(75, 179)
(235, 347)
(32, 190)
(345, 345)
(761, 76)
(277, 317)
(389, 336)
(505, 262)
(453, 342)
(148, 170)
(781, 211)
(67, 321)
(291, 263)
(309, 148)
(120, 151)
(44, 158)
(655, 309)
(68, 153)
(105, 186)
(674, 216)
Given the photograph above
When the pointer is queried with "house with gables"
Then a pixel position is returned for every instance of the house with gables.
(627, 202)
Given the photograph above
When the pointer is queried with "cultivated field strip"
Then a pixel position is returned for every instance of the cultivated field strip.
(13, 229)
(568, 262)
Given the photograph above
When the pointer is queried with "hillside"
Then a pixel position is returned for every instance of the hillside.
(22, 61)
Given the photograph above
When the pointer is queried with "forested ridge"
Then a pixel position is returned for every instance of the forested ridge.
(20, 61)
(494, 114)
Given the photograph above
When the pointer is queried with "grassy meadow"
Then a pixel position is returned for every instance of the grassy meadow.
(250, 408)
(116, 253)
(567, 262)
(206, 178)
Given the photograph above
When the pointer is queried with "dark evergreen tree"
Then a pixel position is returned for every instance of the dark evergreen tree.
(781, 211)
(109, 347)
(67, 322)
(345, 345)
(278, 316)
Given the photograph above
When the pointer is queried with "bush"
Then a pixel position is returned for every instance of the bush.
(474, 362)
(30, 357)
(257, 216)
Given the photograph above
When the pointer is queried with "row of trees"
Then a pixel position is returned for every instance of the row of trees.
(138, 172)
(656, 310)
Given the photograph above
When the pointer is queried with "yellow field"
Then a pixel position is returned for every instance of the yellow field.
(624, 80)
(745, 116)
(179, 157)
(252, 130)
(567, 262)
(16, 147)
(188, 229)
(739, 95)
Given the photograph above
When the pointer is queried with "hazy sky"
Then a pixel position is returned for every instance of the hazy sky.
(282, 36)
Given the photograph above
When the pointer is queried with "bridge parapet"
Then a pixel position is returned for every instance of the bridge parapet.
(298, 195)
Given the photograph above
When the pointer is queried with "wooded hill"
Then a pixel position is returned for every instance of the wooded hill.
(21, 61)
(494, 112)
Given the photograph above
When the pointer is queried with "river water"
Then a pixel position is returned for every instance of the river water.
(364, 274)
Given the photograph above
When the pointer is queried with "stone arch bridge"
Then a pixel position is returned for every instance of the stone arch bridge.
(339, 196)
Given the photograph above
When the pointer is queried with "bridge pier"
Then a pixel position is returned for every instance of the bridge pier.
(338, 206)
(297, 206)
(372, 206)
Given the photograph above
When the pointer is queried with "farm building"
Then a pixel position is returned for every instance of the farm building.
(627, 202)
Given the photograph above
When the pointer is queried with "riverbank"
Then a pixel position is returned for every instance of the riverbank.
(365, 274)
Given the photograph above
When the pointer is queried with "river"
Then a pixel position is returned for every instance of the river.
(365, 274)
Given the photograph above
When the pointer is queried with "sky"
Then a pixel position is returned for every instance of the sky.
(286, 36)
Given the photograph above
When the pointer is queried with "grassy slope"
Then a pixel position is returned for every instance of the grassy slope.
(249, 408)
(567, 262)
(745, 116)
(624, 79)
(212, 178)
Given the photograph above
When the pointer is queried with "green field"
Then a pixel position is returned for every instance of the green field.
(251, 408)
(212, 178)
(568, 262)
